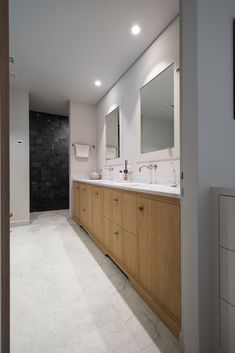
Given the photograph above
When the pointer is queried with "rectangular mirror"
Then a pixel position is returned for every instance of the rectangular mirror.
(112, 135)
(157, 112)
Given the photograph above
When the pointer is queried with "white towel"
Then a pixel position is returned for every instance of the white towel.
(82, 151)
(110, 152)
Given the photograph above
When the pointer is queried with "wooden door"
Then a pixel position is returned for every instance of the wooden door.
(89, 208)
(4, 179)
(98, 213)
(131, 253)
(130, 240)
(108, 203)
(117, 242)
(158, 230)
(168, 257)
(76, 201)
(83, 203)
(108, 232)
(129, 211)
(147, 228)
(114, 239)
(117, 207)
(85, 193)
(113, 205)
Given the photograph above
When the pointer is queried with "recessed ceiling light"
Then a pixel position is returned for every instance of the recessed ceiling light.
(135, 29)
(98, 83)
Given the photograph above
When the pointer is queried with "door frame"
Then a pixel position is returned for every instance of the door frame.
(4, 179)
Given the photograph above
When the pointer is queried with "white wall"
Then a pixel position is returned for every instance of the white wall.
(19, 156)
(82, 124)
(207, 151)
(126, 94)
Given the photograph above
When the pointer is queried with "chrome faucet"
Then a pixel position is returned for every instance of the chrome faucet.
(155, 173)
(126, 170)
(100, 173)
(150, 167)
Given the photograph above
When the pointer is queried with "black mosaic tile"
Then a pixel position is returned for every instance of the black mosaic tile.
(49, 162)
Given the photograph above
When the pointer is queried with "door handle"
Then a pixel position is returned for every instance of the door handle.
(116, 200)
(96, 193)
(141, 208)
(115, 233)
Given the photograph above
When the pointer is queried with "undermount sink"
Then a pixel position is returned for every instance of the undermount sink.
(107, 181)
(148, 186)
(161, 189)
(138, 185)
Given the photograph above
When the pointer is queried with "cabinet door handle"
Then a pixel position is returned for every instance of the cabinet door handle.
(84, 209)
(116, 200)
(141, 209)
(96, 193)
(116, 233)
(77, 188)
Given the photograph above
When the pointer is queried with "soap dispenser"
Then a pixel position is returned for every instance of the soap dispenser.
(120, 175)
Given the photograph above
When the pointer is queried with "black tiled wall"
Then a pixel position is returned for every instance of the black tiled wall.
(49, 162)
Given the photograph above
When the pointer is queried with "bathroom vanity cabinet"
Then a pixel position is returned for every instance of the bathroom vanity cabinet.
(141, 233)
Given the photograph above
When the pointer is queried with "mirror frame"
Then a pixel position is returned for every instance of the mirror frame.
(141, 122)
(164, 154)
(114, 160)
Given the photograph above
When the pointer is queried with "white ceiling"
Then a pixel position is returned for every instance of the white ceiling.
(61, 46)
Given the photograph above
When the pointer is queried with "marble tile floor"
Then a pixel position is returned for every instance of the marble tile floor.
(67, 297)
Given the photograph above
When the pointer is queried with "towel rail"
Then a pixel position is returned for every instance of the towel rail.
(91, 146)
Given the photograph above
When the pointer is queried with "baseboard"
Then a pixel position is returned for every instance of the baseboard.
(23, 222)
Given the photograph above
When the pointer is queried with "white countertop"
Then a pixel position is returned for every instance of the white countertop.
(154, 189)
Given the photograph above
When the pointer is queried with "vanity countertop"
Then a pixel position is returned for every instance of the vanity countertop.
(154, 189)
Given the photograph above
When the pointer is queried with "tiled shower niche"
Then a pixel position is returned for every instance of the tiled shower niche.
(49, 162)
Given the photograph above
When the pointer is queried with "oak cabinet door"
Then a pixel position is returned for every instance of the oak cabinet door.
(113, 205)
(159, 244)
(117, 242)
(114, 239)
(98, 213)
(147, 233)
(108, 232)
(76, 200)
(117, 207)
(131, 253)
(129, 200)
(85, 192)
(83, 203)
(168, 257)
(108, 203)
